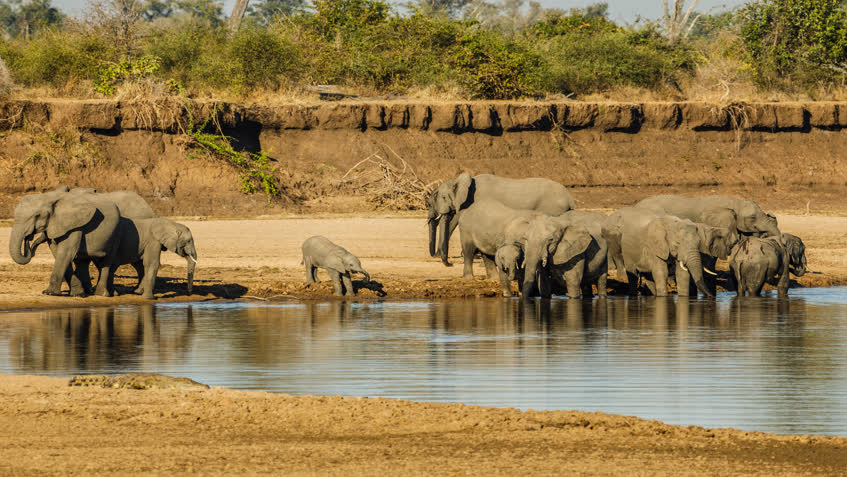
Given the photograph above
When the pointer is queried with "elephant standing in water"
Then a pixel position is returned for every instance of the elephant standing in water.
(755, 261)
(650, 243)
(454, 195)
(75, 225)
(141, 242)
(320, 252)
(572, 247)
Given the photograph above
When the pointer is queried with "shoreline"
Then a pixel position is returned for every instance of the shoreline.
(62, 429)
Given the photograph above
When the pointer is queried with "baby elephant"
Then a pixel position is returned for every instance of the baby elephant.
(509, 261)
(755, 261)
(141, 243)
(319, 252)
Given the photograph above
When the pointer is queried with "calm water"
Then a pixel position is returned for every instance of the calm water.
(755, 363)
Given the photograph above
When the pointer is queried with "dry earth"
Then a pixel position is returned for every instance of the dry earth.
(49, 428)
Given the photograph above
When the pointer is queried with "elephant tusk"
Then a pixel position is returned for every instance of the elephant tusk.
(709, 271)
(683, 267)
(193, 259)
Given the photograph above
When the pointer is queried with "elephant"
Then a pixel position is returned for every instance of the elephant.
(755, 261)
(651, 242)
(75, 225)
(320, 252)
(130, 205)
(140, 244)
(572, 247)
(714, 210)
(486, 226)
(454, 195)
(509, 260)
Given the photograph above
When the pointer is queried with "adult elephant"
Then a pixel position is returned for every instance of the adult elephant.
(76, 225)
(486, 226)
(454, 195)
(651, 242)
(130, 206)
(717, 211)
(572, 247)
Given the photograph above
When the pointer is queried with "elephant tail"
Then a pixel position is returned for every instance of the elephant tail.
(615, 251)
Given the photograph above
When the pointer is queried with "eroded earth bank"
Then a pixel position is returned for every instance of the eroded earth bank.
(787, 157)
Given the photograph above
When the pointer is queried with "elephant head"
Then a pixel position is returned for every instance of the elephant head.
(344, 262)
(48, 216)
(716, 241)
(753, 220)
(548, 240)
(669, 237)
(509, 259)
(447, 199)
(796, 250)
(177, 238)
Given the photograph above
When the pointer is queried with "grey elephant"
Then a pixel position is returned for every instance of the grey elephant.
(454, 195)
(509, 260)
(572, 247)
(651, 242)
(320, 252)
(715, 210)
(75, 225)
(486, 226)
(130, 205)
(755, 261)
(141, 242)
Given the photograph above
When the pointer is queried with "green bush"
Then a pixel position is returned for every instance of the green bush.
(597, 62)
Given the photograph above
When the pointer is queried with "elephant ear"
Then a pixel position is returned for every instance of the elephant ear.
(166, 235)
(461, 189)
(714, 241)
(335, 261)
(69, 213)
(575, 242)
(657, 240)
(719, 217)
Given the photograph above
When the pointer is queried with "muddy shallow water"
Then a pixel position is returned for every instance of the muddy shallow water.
(756, 363)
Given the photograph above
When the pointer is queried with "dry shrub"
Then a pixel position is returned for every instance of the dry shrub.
(387, 185)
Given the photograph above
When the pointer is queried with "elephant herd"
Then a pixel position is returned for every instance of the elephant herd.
(528, 230)
(82, 226)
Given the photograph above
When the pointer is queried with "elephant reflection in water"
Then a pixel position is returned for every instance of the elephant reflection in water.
(98, 338)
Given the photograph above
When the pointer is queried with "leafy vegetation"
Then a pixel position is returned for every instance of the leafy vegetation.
(462, 48)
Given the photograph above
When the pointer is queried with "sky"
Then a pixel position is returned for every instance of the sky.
(620, 10)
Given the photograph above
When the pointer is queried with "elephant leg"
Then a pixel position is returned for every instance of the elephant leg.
(490, 267)
(151, 271)
(651, 285)
(348, 284)
(110, 280)
(711, 280)
(468, 252)
(660, 278)
(104, 266)
(336, 282)
(601, 285)
(683, 281)
(63, 253)
(544, 277)
(82, 277)
(311, 273)
(505, 283)
(574, 283)
(139, 270)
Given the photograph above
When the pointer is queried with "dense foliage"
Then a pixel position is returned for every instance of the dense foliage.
(468, 48)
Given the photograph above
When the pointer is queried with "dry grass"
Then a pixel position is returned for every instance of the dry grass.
(387, 184)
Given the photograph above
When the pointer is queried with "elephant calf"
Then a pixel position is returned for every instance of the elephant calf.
(509, 260)
(320, 252)
(755, 261)
(141, 243)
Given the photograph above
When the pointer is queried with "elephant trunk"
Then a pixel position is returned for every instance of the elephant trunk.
(191, 264)
(20, 237)
(366, 274)
(531, 267)
(445, 238)
(432, 224)
(695, 268)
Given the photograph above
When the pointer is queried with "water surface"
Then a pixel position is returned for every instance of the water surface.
(768, 364)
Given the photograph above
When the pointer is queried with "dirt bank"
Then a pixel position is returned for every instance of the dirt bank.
(52, 429)
(784, 155)
(253, 259)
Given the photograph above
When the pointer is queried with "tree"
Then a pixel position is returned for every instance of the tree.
(237, 14)
(159, 9)
(25, 18)
(678, 21)
(208, 10)
(451, 8)
(264, 12)
(597, 10)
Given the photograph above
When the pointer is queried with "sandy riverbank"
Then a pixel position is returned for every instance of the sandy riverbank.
(50, 429)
